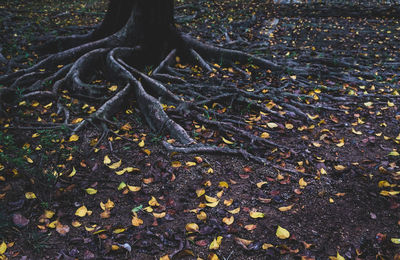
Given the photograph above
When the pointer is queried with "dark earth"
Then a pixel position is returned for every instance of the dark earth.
(338, 197)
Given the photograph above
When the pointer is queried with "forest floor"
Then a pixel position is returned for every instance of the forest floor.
(128, 198)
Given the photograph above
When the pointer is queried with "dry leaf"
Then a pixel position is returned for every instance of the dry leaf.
(30, 195)
(255, 214)
(115, 165)
(192, 227)
(216, 243)
(229, 220)
(282, 233)
(81, 212)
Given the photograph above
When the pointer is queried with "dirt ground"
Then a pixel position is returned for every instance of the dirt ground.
(137, 201)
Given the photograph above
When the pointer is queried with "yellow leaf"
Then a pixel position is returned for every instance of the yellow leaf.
(210, 171)
(48, 214)
(341, 143)
(107, 160)
(260, 184)
(212, 204)
(136, 221)
(210, 199)
(382, 184)
(202, 215)
(30, 195)
(76, 224)
(131, 169)
(29, 160)
(113, 88)
(264, 135)
(316, 144)
(394, 153)
(166, 257)
(223, 184)
(234, 211)
(395, 241)
(35, 135)
(73, 138)
(312, 117)
(339, 167)
(115, 165)
(192, 227)
(356, 132)
(52, 224)
(200, 192)
(229, 220)
(190, 164)
(266, 246)
(77, 120)
(147, 151)
(120, 172)
(226, 141)
(216, 243)
(282, 233)
(286, 208)
(255, 214)
(3, 248)
(141, 144)
(176, 164)
(153, 202)
(91, 191)
(228, 202)
(272, 125)
(368, 104)
(289, 126)
(119, 230)
(72, 173)
(211, 256)
(134, 188)
(81, 212)
(159, 215)
(302, 183)
(339, 257)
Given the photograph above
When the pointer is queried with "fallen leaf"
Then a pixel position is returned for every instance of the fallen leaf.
(216, 243)
(272, 125)
(223, 184)
(226, 141)
(153, 202)
(91, 191)
(176, 164)
(192, 227)
(255, 214)
(73, 138)
(339, 167)
(302, 183)
(136, 221)
(30, 195)
(210, 199)
(115, 165)
(62, 229)
(3, 248)
(72, 173)
(250, 227)
(81, 212)
(202, 216)
(282, 233)
(234, 211)
(228, 221)
(107, 160)
(119, 230)
(266, 246)
(212, 204)
(286, 208)
(141, 144)
(395, 241)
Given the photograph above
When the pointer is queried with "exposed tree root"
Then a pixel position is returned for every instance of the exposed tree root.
(116, 59)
